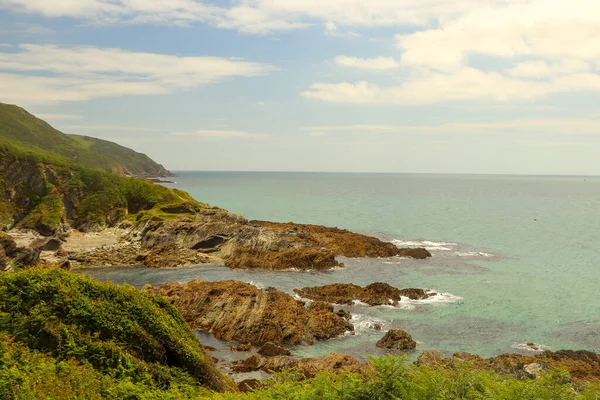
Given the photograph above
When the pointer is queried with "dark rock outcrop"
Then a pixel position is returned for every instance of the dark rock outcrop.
(418, 253)
(237, 311)
(374, 294)
(397, 339)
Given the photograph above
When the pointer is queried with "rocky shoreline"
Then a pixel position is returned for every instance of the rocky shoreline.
(212, 235)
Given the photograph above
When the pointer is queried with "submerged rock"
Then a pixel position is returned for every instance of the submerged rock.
(241, 312)
(374, 294)
(397, 339)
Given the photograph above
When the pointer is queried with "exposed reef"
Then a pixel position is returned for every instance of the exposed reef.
(374, 294)
(241, 312)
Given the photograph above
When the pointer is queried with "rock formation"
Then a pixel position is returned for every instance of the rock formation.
(397, 339)
(309, 367)
(374, 294)
(241, 312)
(582, 365)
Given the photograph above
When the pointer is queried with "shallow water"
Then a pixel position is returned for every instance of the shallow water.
(516, 256)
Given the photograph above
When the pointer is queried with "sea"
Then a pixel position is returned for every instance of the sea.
(516, 259)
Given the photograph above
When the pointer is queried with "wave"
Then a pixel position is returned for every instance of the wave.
(529, 346)
(437, 298)
(257, 284)
(429, 245)
(365, 323)
(473, 254)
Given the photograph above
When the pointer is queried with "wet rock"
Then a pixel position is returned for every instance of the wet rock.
(320, 306)
(282, 258)
(269, 350)
(242, 347)
(397, 339)
(241, 312)
(418, 253)
(415, 294)
(376, 327)
(374, 294)
(344, 314)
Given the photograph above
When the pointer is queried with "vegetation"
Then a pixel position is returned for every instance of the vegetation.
(48, 190)
(114, 335)
(26, 132)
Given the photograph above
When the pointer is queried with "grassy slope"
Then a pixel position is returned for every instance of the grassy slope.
(42, 186)
(119, 335)
(25, 131)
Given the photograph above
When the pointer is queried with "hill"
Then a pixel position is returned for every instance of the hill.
(22, 130)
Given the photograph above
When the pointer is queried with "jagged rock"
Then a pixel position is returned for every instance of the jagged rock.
(344, 314)
(418, 253)
(8, 244)
(282, 258)
(241, 312)
(320, 306)
(269, 350)
(397, 339)
(374, 294)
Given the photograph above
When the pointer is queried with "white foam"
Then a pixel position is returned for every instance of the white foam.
(437, 298)
(473, 254)
(365, 323)
(257, 284)
(429, 245)
(529, 346)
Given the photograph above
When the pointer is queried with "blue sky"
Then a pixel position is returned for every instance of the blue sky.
(469, 86)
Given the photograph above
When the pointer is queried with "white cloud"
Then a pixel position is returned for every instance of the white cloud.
(220, 134)
(567, 126)
(47, 74)
(464, 84)
(543, 69)
(373, 64)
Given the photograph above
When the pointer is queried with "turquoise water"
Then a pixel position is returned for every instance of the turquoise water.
(516, 257)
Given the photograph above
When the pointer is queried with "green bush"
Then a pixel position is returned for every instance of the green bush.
(117, 330)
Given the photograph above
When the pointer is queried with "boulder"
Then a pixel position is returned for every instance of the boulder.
(26, 256)
(418, 253)
(47, 244)
(415, 294)
(397, 339)
(269, 350)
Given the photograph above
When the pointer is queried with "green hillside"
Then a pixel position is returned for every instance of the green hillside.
(50, 181)
(22, 130)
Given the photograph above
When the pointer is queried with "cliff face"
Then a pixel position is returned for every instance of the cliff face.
(49, 195)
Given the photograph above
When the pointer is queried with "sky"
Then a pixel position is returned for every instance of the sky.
(415, 86)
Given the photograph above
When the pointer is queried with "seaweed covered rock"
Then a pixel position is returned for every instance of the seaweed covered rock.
(237, 311)
(118, 330)
(397, 339)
